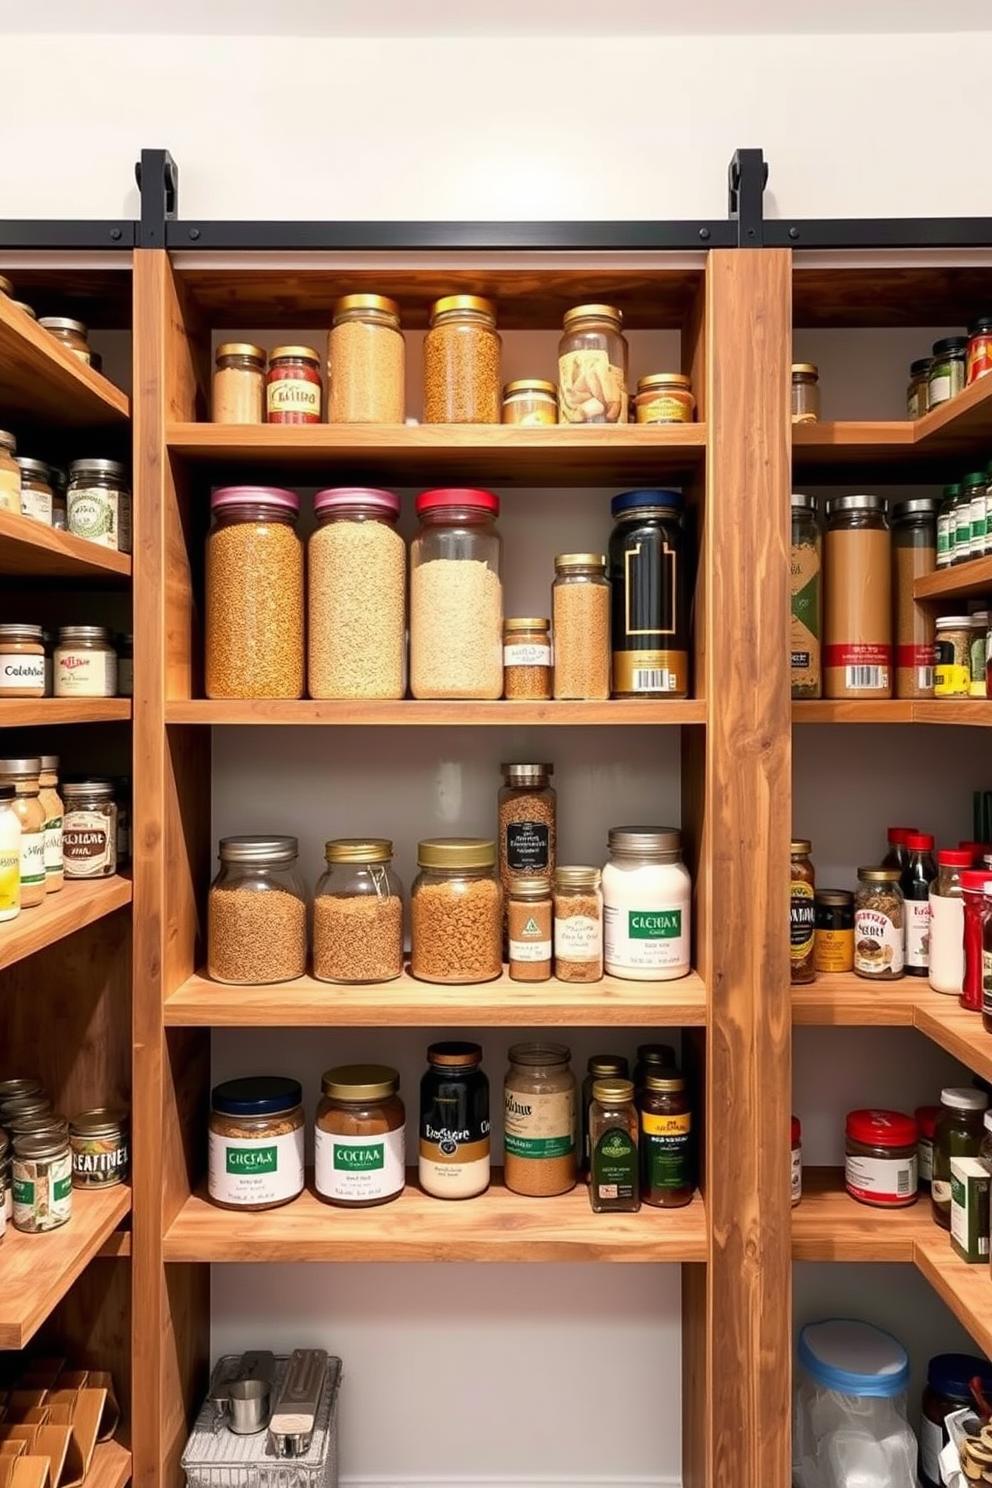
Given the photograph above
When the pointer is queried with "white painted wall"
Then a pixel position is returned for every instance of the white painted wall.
(500, 1373)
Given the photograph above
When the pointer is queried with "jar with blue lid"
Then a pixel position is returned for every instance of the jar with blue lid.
(256, 1142)
(849, 1424)
(948, 1388)
(649, 595)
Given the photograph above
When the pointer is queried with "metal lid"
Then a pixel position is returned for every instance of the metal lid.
(518, 624)
(476, 303)
(360, 1082)
(612, 1092)
(608, 1064)
(7, 441)
(530, 886)
(38, 1121)
(456, 852)
(535, 1055)
(800, 846)
(358, 850)
(111, 469)
(63, 323)
(580, 560)
(97, 790)
(365, 302)
(256, 1095)
(673, 1082)
(26, 632)
(298, 353)
(981, 327)
(240, 348)
(953, 622)
(277, 496)
(25, 1105)
(454, 1055)
(34, 469)
(531, 385)
(258, 849)
(515, 774)
(345, 498)
(921, 365)
(28, 768)
(592, 312)
(801, 502)
(842, 898)
(963, 1098)
(662, 1055)
(35, 1145)
(577, 877)
(805, 369)
(856, 503)
(638, 841)
(879, 875)
(919, 506)
(83, 633)
(663, 380)
(950, 345)
(101, 1121)
(24, 1085)
(629, 501)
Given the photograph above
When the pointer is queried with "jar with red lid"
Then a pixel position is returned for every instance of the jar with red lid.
(926, 1131)
(880, 1158)
(948, 1388)
(946, 969)
(293, 386)
(456, 596)
(979, 348)
(797, 1161)
(973, 881)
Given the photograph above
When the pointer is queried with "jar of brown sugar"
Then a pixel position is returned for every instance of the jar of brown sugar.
(456, 912)
(461, 362)
(578, 924)
(257, 913)
(238, 392)
(366, 359)
(358, 914)
(256, 1142)
(528, 912)
(527, 659)
(580, 609)
(360, 1153)
(539, 1120)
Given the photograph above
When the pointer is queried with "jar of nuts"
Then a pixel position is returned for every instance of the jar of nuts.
(456, 912)
(358, 914)
(461, 362)
(257, 913)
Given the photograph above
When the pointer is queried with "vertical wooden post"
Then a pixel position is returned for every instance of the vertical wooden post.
(738, 1344)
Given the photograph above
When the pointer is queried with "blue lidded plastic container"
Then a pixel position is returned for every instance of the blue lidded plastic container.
(854, 1358)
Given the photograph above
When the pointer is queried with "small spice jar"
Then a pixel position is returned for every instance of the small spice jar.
(527, 816)
(293, 386)
(592, 367)
(257, 913)
(238, 392)
(48, 780)
(98, 503)
(926, 1127)
(649, 592)
(960, 525)
(529, 935)
(578, 924)
(973, 487)
(42, 1182)
(358, 913)
(917, 392)
(948, 370)
(802, 915)
(647, 895)
(255, 613)
(530, 401)
(580, 608)
(366, 362)
(22, 661)
(539, 1121)
(89, 829)
(952, 672)
(72, 334)
(833, 935)
(36, 490)
(360, 1136)
(98, 1140)
(806, 592)
(85, 663)
(598, 1067)
(527, 659)
(796, 1168)
(805, 393)
(456, 912)
(948, 1388)
(456, 596)
(23, 775)
(959, 1130)
(880, 1158)
(454, 1152)
(879, 921)
(614, 1176)
(979, 355)
(664, 398)
(10, 855)
(461, 362)
(10, 474)
(668, 1178)
(256, 1142)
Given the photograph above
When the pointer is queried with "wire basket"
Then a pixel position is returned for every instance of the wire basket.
(218, 1458)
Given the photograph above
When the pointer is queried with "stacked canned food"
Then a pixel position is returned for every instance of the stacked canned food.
(77, 661)
(92, 499)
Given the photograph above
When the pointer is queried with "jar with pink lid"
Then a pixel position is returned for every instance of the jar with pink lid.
(254, 590)
(357, 596)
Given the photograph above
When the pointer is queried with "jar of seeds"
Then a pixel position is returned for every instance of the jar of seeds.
(879, 925)
(358, 914)
(456, 912)
(580, 608)
(257, 913)
(578, 924)
(366, 360)
(461, 362)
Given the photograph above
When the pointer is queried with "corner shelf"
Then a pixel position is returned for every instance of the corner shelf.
(964, 1288)
(42, 380)
(407, 712)
(958, 429)
(45, 711)
(828, 1225)
(30, 549)
(497, 1226)
(971, 580)
(79, 903)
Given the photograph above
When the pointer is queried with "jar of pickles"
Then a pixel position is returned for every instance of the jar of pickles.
(462, 362)
(592, 367)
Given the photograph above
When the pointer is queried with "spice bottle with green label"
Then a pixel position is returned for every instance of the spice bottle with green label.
(666, 1141)
(647, 894)
(599, 1067)
(807, 599)
(613, 1178)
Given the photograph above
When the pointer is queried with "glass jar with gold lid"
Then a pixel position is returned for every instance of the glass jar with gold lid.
(366, 362)
(592, 367)
(358, 913)
(456, 912)
(805, 393)
(530, 401)
(238, 393)
(461, 362)
(664, 398)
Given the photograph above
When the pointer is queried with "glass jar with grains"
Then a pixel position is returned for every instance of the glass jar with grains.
(879, 925)
(292, 386)
(22, 661)
(807, 598)
(647, 895)
(650, 595)
(539, 1121)
(580, 608)
(358, 913)
(528, 911)
(592, 367)
(456, 596)
(89, 829)
(23, 775)
(527, 814)
(461, 362)
(805, 393)
(98, 503)
(454, 1122)
(578, 924)
(10, 474)
(360, 1136)
(456, 912)
(857, 625)
(238, 392)
(257, 913)
(356, 596)
(256, 1142)
(614, 1179)
(254, 591)
(530, 401)
(366, 361)
(526, 658)
(664, 398)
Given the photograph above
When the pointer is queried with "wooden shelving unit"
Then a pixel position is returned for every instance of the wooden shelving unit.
(29, 549)
(44, 712)
(970, 580)
(412, 713)
(79, 903)
(944, 712)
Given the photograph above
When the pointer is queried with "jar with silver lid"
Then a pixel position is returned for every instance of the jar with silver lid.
(98, 1140)
(42, 1182)
(85, 662)
(89, 829)
(36, 490)
(257, 913)
(99, 503)
(647, 896)
(72, 334)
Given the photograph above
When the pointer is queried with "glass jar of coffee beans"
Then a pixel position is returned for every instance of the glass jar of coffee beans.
(257, 913)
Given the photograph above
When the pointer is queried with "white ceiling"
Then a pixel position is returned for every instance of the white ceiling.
(434, 18)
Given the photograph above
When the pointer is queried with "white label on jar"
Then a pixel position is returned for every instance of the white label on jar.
(10, 490)
(37, 505)
(931, 1446)
(21, 673)
(32, 858)
(42, 1199)
(264, 1171)
(454, 1180)
(539, 1126)
(797, 1174)
(917, 934)
(100, 515)
(578, 938)
(125, 677)
(89, 844)
(53, 845)
(878, 944)
(881, 1179)
(360, 1170)
(939, 390)
(924, 1160)
(946, 944)
(526, 655)
(530, 950)
(646, 939)
(85, 673)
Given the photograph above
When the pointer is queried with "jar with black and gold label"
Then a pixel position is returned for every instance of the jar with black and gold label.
(802, 913)
(833, 936)
(649, 595)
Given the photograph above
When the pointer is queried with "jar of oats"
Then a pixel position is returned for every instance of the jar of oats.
(358, 914)
(456, 912)
(356, 596)
(456, 596)
(257, 913)
(366, 358)
(256, 1142)
(461, 362)
(539, 1121)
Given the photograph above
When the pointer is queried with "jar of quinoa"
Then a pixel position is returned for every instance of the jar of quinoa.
(456, 912)
(461, 362)
(358, 914)
(254, 588)
(456, 596)
(366, 362)
(257, 913)
(539, 1120)
(256, 1142)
